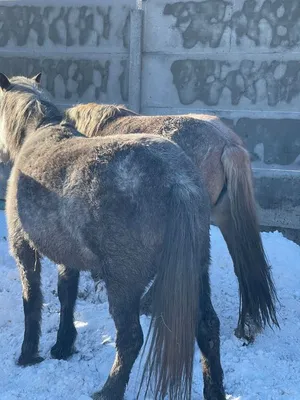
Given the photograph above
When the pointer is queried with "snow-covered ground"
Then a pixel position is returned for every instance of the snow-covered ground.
(267, 370)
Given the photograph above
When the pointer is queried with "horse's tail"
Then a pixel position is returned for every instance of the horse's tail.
(257, 290)
(176, 292)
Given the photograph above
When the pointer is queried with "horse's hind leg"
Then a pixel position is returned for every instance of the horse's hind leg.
(124, 308)
(29, 265)
(208, 339)
(221, 215)
(67, 292)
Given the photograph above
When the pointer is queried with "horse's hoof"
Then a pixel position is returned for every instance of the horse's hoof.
(248, 330)
(60, 352)
(245, 334)
(25, 361)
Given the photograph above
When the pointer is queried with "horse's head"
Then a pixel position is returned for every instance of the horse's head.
(23, 104)
(22, 84)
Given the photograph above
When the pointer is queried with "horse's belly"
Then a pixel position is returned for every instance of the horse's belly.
(59, 244)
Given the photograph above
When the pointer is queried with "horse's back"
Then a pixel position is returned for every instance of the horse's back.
(209, 128)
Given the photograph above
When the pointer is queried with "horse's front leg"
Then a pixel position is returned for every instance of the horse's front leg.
(68, 280)
(28, 261)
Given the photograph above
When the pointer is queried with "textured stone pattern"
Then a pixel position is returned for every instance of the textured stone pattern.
(256, 85)
(70, 26)
(256, 41)
(268, 23)
(81, 50)
(71, 80)
(272, 83)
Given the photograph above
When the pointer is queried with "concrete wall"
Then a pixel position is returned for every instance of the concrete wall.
(82, 50)
(239, 59)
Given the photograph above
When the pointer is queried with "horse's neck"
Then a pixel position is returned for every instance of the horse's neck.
(49, 132)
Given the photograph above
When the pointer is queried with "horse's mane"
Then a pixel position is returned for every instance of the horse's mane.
(25, 104)
(91, 118)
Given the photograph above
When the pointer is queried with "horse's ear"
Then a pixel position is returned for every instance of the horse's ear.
(37, 77)
(4, 81)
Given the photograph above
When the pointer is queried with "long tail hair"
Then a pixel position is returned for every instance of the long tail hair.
(176, 295)
(257, 290)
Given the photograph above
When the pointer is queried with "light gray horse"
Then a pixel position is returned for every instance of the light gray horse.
(129, 207)
(224, 164)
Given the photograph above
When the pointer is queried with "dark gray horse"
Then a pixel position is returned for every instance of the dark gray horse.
(224, 165)
(129, 207)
